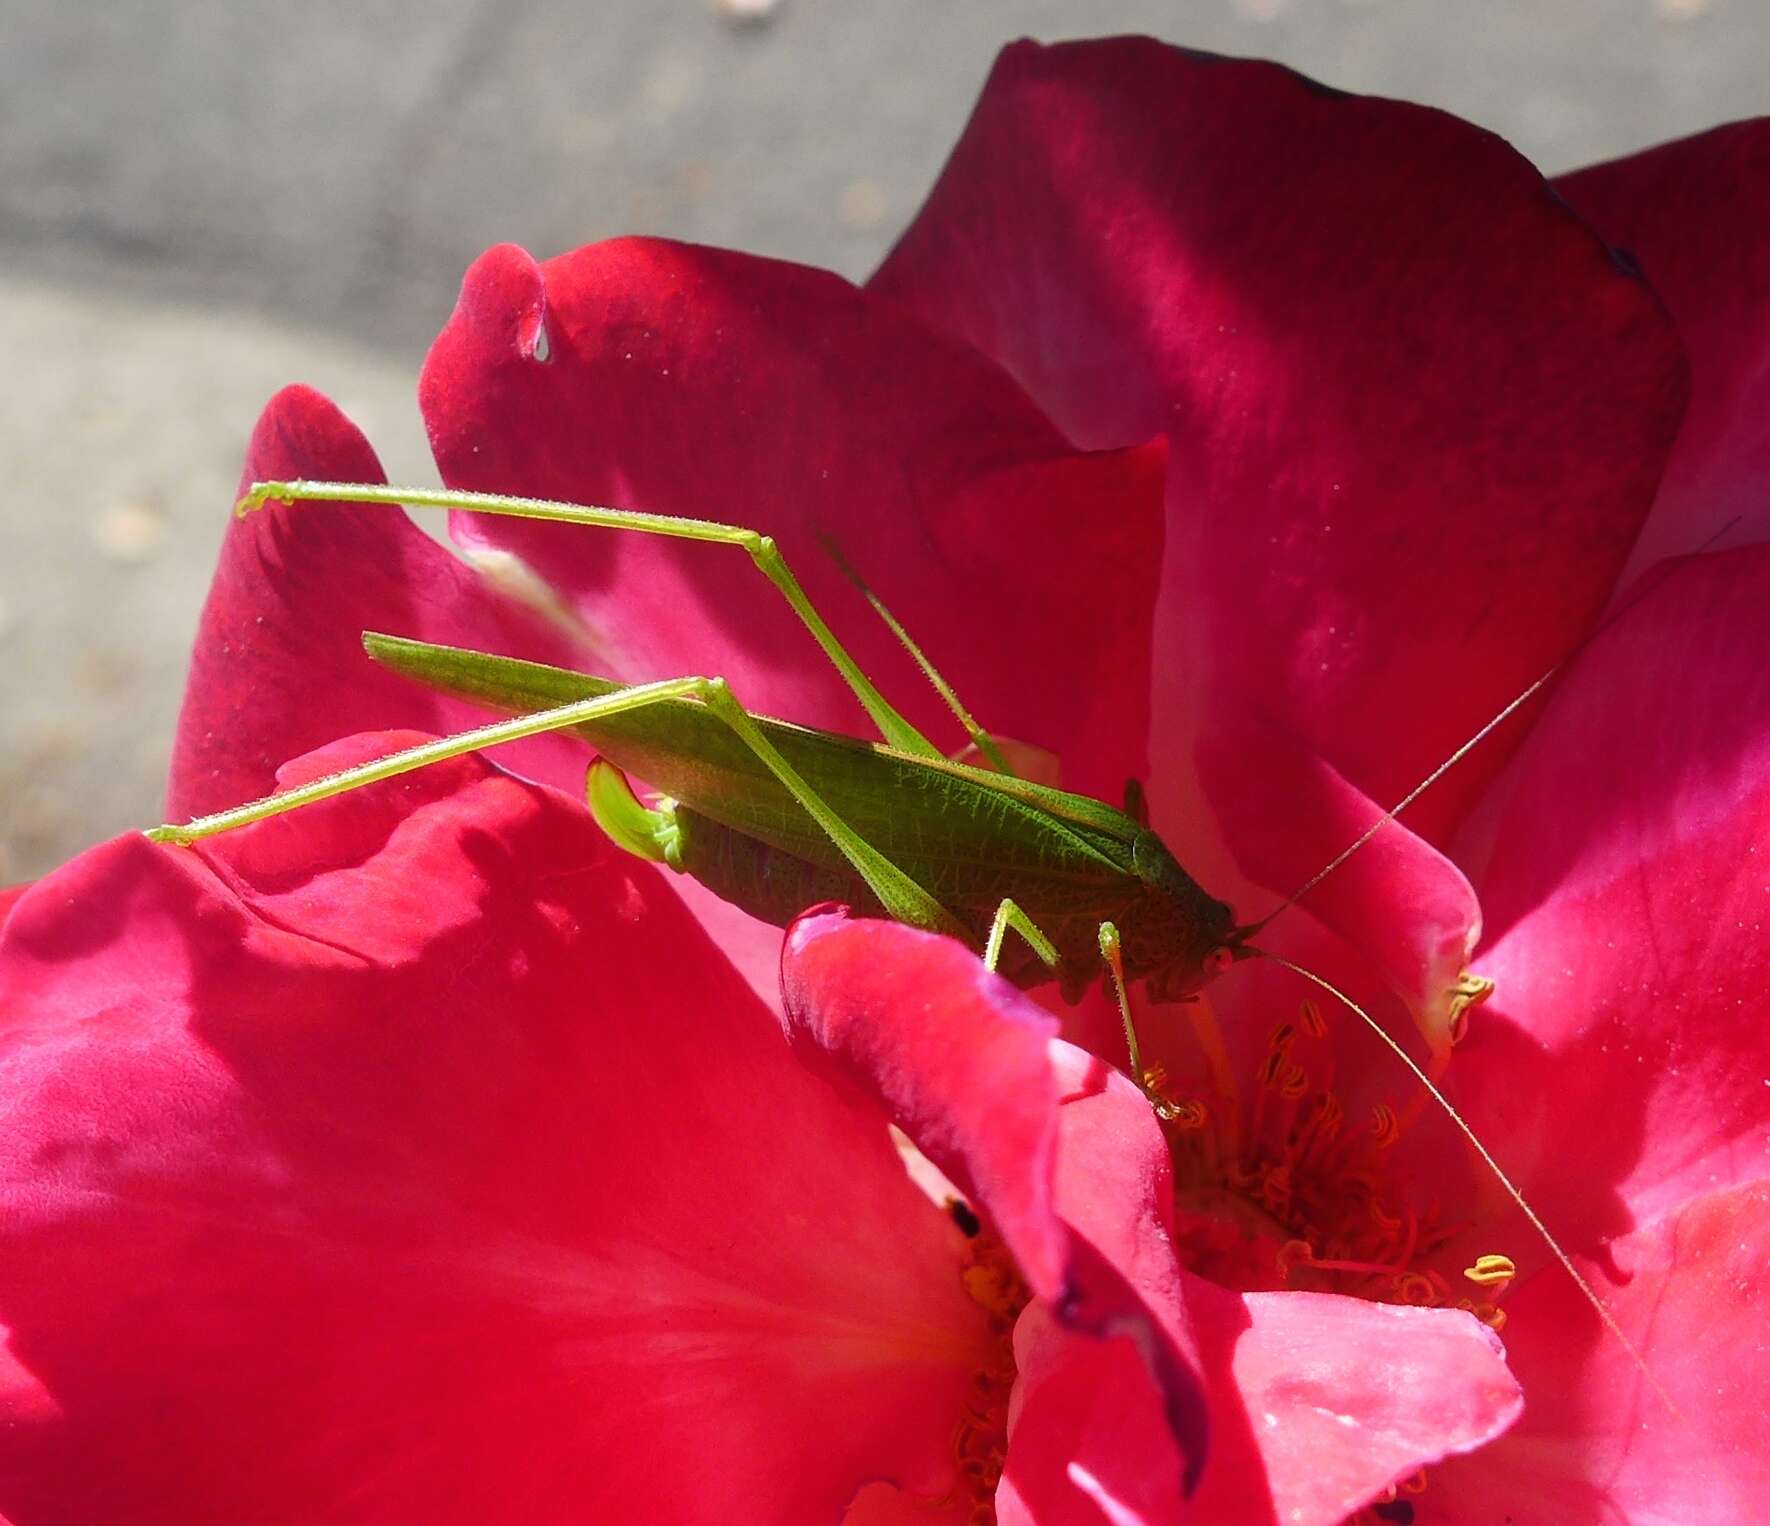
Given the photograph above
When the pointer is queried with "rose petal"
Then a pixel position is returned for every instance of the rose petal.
(1597, 1443)
(1088, 1439)
(278, 666)
(1693, 213)
(415, 1158)
(1416, 411)
(1619, 1068)
(691, 381)
(966, 1066)
(957, 1056)
(1339, 1398)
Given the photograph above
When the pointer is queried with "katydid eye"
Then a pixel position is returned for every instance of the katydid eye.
(1218, 960)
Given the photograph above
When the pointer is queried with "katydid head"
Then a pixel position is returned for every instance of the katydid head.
(1190, 940)
(1191, 972)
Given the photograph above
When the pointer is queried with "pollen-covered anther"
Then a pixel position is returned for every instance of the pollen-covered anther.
(1188, 1117)
(1185, 1116)
(1468, 993)
(1416, 1288)
(1492, 1271)
(995, 1288)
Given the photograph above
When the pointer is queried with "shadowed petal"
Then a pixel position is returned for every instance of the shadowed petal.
(1416, 414)
(692, 381)
(1693, 213)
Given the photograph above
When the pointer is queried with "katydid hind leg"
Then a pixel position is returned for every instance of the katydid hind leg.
(763, 551)
(901, 896)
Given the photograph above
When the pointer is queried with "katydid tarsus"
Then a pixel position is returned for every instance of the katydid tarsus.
(775, 816)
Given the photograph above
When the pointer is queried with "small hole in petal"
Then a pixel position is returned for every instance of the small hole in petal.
(542, 349)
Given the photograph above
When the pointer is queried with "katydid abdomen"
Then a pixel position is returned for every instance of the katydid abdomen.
(968, 837)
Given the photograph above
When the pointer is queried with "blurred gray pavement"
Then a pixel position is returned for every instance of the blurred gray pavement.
(200, 202)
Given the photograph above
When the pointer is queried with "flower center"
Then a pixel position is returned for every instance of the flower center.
(1275, 1186)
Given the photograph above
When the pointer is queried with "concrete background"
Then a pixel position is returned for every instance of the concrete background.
(201, 202)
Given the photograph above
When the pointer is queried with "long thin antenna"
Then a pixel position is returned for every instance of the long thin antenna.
(1645, 587)
(1591, 1296)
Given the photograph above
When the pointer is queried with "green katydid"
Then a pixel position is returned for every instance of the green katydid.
(775, 816)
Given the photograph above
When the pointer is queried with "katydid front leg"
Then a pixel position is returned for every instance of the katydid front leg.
(897, 731)
(901, 896)
(1148, 1079)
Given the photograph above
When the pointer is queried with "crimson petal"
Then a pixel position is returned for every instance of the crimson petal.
(416, 1158)
(968, 1068)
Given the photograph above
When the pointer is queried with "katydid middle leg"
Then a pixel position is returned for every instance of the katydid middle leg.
(902, 897)
(896, 731)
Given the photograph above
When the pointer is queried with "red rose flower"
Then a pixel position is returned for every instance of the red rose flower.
(1417, 419)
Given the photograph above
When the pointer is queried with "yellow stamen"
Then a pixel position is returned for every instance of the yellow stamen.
(1491, 1271)
(1469, 992)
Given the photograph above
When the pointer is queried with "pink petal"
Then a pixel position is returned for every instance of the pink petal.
(961, 1064)
(1694, 214)
(278, 666)
(1619, 1069)
(1597, 1443)
(416, 1158)
(694, 382)
(1339, 1399)
(1416, 410)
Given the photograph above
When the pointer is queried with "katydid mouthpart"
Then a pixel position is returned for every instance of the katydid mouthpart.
(776, 817)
